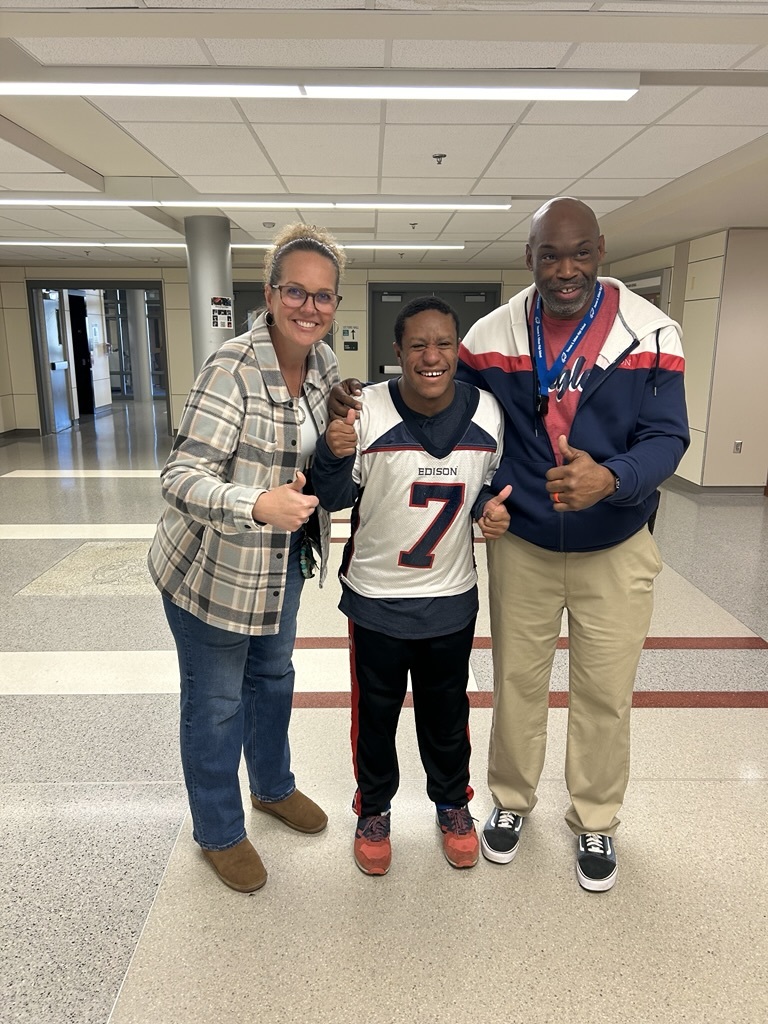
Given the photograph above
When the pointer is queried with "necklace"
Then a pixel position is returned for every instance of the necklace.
(301, 415)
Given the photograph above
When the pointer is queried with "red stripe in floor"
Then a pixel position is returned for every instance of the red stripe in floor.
(559, 699)
(653, 643)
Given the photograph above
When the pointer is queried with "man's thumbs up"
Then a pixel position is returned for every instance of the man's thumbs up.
(580, 482)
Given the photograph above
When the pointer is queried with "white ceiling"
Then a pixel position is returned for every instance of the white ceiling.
(687, 156)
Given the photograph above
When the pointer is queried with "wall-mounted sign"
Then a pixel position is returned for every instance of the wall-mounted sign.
(221, 311)
(349, 333)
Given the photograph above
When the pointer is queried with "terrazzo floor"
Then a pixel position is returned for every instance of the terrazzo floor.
(109, 915)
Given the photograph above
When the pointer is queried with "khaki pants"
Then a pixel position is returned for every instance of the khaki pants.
(609, 598)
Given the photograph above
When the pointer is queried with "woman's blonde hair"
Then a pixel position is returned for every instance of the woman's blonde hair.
(302, 238)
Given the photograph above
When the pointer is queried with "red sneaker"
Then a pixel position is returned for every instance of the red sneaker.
(373, 850)
(460, 843)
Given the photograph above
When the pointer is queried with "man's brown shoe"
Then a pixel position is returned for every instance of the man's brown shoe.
(296, 811)
(239, 867)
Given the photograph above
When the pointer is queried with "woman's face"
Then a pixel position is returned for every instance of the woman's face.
(303, 324)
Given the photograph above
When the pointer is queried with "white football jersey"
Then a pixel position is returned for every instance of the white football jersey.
(411, 525)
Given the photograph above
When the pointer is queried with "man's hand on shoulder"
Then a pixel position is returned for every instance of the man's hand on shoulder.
(345, 396)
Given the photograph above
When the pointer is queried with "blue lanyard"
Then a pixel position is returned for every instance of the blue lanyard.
(547, 377)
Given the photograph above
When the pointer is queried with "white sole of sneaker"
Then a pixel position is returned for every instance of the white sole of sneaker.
(597, 884)
(494, 856)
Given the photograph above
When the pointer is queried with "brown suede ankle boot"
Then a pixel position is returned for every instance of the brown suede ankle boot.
(297, 811)
(239, 867)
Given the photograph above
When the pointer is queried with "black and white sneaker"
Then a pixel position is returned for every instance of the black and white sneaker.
(596, 867)
(501, 836)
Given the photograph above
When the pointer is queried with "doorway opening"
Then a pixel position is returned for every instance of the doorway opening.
(97, 344)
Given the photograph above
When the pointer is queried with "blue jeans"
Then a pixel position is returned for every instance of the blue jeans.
(236, 696)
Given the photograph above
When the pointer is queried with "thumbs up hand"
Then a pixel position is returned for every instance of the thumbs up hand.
(341, 435)
(494, 522)
(580, 482)
(286, 507)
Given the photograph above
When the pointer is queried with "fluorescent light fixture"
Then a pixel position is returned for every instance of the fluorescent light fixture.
(341, 84)
(513, 93)
(160, 89)
(312, 204)
(422, 206)
(396, 247)
(55, 243)
(234, 204)
(359, 245)
(79, 202)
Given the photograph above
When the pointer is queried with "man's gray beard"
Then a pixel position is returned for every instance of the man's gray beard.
(568, 309)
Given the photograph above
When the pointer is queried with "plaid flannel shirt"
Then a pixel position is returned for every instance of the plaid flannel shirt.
(239, 436)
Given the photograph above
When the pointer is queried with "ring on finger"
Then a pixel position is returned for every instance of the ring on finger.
(556, 497)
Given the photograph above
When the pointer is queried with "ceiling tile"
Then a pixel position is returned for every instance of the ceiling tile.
(114, 51)
(757, 61)
(154, 108)
(729, 7)
(408, 149)
(257, 5)
(335, 187)
(546, 187)
(309, 111)
(398, 222)
(297, 53)
(656, 56)
(227, 184)
(459, 53)
(713, 106)
(484, 225)
(594, 186)
(202, 148)
(353, 150)
(453, 112)
(674, 151)
(541, 147)
(432, 185)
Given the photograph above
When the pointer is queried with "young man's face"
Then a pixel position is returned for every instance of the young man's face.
(428, 357)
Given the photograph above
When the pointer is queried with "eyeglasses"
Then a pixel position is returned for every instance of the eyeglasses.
(293, 296)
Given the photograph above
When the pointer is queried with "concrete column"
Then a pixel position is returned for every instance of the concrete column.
(139, 344)
(209, 259)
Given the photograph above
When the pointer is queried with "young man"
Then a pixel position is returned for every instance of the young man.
(417, 467)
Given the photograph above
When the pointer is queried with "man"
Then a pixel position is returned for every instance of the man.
(417, 466)
(590, 377)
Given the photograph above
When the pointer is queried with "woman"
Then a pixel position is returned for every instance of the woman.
(235, 543)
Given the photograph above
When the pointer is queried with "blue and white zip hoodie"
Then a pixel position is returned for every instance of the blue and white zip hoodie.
(631, 417)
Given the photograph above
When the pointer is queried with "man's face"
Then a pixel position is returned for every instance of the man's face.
(564, 254)
(428, 358)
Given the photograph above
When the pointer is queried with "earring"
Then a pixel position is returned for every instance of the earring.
(335, 326)
(269, 320)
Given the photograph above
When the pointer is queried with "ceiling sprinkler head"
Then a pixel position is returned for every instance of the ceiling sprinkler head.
(413, 224)
(439, 157)
(267, 223)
